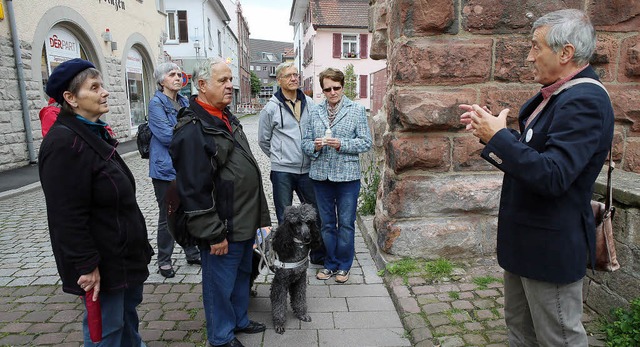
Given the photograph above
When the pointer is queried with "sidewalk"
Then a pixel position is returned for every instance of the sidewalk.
(366, 311)
(35, 312)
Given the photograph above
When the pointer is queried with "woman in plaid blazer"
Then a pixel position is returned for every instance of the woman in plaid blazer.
(335, 134)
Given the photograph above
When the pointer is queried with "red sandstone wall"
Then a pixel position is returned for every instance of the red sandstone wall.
(445, 52)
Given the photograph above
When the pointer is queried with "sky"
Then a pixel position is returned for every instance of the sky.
(268, 19)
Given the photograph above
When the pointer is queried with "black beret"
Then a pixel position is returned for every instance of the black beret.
(63, 74)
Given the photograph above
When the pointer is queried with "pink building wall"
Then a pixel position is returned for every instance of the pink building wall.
(322, 41)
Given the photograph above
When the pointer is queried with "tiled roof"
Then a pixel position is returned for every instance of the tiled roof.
(340, 13)
(277, 48)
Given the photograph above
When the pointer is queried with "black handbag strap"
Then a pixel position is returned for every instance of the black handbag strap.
(609, 202)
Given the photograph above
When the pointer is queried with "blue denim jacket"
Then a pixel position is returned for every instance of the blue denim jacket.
(162, 119)
(351, 127)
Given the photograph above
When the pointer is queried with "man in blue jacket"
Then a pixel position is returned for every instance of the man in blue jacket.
(280, 137)
(546, 229)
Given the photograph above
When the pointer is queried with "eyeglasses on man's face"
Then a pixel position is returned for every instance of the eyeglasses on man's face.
(328, 89)
(289, 76)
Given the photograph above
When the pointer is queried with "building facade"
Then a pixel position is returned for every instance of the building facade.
(266, 55)
(243, 57)
(333, 34)
(123, 38)
(199, 30)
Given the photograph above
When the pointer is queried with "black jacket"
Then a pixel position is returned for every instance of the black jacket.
(218, 179)
(94, 219)
(546, 227)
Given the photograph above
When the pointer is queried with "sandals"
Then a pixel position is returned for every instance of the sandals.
(324, 274)
(342, 276)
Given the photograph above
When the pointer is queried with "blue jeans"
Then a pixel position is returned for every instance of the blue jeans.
(119, 319)
(165, 240)
(284, 184)
(225, 290)
(337, 203)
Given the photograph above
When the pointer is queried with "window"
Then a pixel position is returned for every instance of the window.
(219, 43)
(251, 67)
(264, 68)
(349, 46)
(177, 28)
(272, 71)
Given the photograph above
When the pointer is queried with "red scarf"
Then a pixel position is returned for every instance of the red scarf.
(214, 111)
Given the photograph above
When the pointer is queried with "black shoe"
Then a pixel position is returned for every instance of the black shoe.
(252, 328)
(167, 273)
(194, 261)
(233, 343)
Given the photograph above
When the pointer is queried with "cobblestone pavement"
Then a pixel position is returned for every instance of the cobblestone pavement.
(368, 311)
(35, 312)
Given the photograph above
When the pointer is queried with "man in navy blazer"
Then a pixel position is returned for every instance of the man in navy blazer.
(546, 229)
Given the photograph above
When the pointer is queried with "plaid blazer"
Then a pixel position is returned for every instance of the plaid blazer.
(351, 127)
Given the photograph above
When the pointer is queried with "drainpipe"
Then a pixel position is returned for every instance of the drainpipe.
(22, 86)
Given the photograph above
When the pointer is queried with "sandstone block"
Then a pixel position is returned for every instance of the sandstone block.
(466, 155)
(508, 96)
(441, 61)
(600, 299)
(511, 59)
(422, 110)
(624, 99)
(418, 196)
(422, 17)
(615, 15)
(418, 153)
(439, 237)
(632, 155)
(379, 39)
(508, 16)
(605, 57)
(629, 70)
(625, 285)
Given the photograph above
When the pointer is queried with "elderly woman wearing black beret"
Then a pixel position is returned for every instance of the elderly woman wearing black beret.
(98, 233)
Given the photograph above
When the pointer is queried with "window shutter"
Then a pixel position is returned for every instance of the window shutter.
(183, 28)
(364, 86)
(364, 43)
(337, 45)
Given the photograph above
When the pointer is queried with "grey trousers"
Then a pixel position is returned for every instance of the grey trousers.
(543, 314)
(165, 240)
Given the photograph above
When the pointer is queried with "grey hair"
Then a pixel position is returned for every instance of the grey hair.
(161, 72)
(283, 66)
(76, 83)
(202, 70)
(569, 26)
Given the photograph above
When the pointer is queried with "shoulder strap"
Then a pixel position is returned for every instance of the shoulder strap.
(569, 84)
(573, 82)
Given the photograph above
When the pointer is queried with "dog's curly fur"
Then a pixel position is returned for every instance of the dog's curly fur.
(300, 224)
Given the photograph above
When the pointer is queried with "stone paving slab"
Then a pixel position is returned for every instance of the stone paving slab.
(34, 310)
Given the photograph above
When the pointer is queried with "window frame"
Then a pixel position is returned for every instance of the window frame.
(355, 41)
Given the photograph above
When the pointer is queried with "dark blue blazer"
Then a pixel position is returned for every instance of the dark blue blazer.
(545, 223)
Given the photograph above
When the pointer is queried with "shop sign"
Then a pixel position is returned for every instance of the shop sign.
(118, 4)
(61, 45)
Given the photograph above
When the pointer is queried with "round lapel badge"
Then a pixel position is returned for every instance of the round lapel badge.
(529, 135)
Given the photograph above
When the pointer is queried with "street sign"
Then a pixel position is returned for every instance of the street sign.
(185, 79)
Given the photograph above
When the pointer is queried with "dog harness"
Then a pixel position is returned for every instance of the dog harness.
(269, 257)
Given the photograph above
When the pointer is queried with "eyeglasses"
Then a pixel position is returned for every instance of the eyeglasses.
(328, 89)
(290, 76)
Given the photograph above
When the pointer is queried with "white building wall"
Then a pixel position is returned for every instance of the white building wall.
(133, 25)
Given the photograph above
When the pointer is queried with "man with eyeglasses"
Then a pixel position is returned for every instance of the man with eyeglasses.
(280, 136)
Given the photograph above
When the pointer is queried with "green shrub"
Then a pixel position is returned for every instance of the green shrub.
(371, 181)
(624, 331)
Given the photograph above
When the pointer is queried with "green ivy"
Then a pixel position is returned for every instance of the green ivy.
(624, 331)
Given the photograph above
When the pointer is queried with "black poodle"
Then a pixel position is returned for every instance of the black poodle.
(292, 242)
